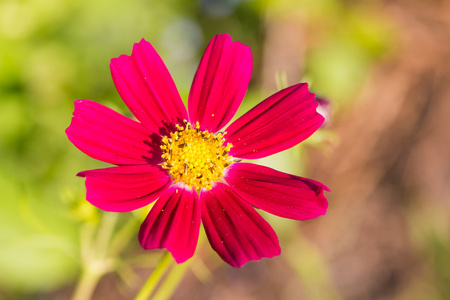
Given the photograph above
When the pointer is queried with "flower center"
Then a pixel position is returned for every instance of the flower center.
(195, 157)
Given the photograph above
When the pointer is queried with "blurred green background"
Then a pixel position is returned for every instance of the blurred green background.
(381, 63)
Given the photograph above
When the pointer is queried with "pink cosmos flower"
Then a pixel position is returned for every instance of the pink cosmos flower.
(182, 160)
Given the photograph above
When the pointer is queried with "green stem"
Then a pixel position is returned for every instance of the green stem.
(122, 237)
(94, 257)
(148, 288)
(105, 232)
(171, 282)
(86, 285)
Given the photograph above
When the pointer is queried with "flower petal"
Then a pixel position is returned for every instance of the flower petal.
(234, 229)
(110, 137)
(278, 193)
(146, 87)
(324, 109)
(220, 83)
(281, 121)
(173, 223)
(125, 188)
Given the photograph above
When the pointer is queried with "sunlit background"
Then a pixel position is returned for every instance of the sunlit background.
(384, 152)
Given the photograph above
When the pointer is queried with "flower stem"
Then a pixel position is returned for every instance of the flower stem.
(171, 282)
(94, 256)
(122, 237)
(149, 286)
(105, 232)
(86, 285)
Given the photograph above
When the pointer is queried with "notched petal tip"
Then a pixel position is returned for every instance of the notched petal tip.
(278, 193)
(322, 188)
(106, 135)
(125, 188)
(323, 205)
(173, 223)
(324, 108)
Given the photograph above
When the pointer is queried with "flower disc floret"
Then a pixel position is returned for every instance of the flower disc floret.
(195, 157)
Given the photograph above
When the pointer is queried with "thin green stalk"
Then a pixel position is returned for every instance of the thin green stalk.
(86, 285)
(105, 232)
(176, 274)
(122, 237)
(148, 288)
(172, 281)
(94, 256)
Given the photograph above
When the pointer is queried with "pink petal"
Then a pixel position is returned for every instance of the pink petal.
(234, 229)
(146, 87)
(220, 83)
(173, 223)
(324, 109)
(278, 193)
(125, 188)
(110, 137)
(281, 121)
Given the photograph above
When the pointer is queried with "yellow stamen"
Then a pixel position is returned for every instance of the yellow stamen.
(194, 156)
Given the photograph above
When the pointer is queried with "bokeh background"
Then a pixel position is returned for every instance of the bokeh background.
(384, 152)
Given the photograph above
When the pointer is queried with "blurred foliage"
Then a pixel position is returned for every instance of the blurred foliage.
(53, 52)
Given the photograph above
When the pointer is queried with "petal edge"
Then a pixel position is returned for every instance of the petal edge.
(125, 188)
(220, 83)
(173, 223)
(234, 229)
(108, 136)
(147, 88)
(280, 122)
(278, 193)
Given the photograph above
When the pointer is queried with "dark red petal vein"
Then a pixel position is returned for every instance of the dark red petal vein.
(111, 137)
(173, 223)
(278, 193)
(220, 83)
(146, 87)
(234, 229)
(125, 188)
(280, 122)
